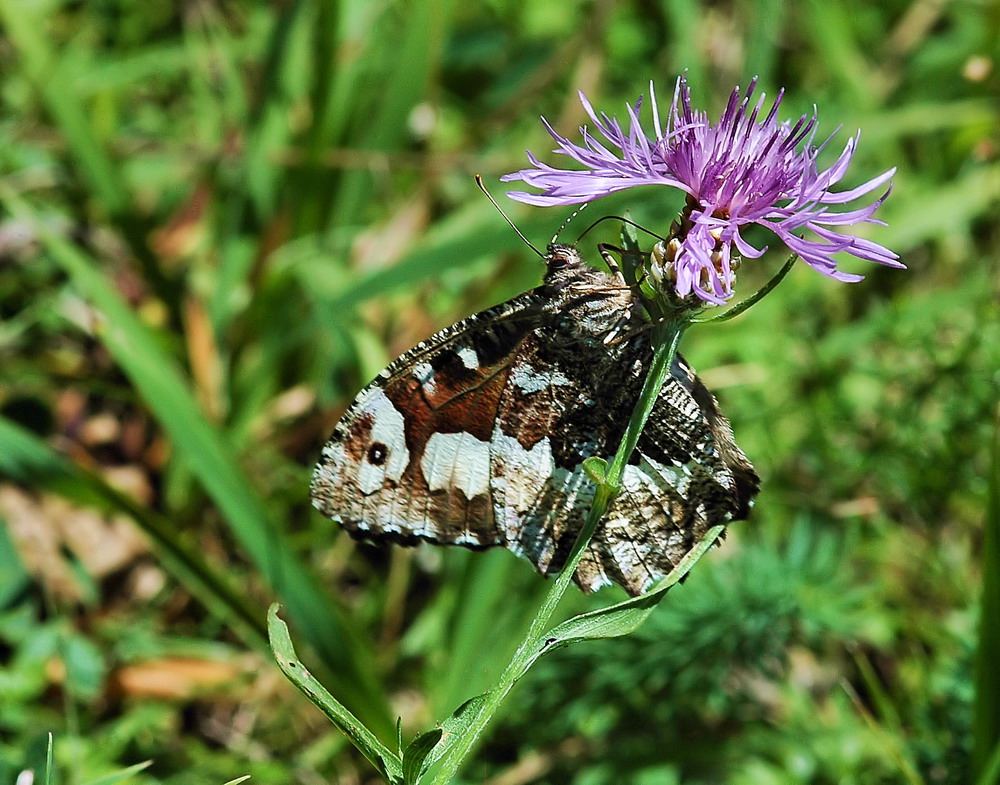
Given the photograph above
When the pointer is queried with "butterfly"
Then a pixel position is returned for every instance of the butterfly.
(477, 437)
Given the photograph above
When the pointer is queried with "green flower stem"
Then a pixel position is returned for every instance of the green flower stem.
(666, 338)
(753, 299)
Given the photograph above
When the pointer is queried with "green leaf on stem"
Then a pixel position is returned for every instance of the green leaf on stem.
(415, 761)
(456, 727)
(624, 617)
(381, 757)
(596, 469)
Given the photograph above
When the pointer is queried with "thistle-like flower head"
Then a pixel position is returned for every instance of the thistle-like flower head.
(744, 169)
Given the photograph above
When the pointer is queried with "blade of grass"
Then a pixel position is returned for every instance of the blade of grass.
(840, 46)
(686, 19)
(49, 764)
(991, 774)
(312, 185)
(986, 722)
(419, 36)
(471, 235)
(253, 184)
(161, 386)
(932, 208)
(27, 32)
(268, 125)
(766, 21)
(892, 745)
(121, 776)
(471, 646)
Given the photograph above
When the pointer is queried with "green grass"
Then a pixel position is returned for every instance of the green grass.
(218, 221)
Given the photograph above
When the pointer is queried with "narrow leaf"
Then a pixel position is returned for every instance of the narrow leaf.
(386, 761)
(991, 774)
(624, 617)
(596, 469)
(986, 721)
(456, 727)
(49, 765)
(120, 776)
(26, 31)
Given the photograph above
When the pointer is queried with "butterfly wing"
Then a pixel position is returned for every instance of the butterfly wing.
(410, 458)
(686, 476)
(477, 437)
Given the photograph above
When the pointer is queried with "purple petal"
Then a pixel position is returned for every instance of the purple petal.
(747, 168)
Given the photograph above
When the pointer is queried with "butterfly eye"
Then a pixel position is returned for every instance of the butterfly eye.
(377, 454)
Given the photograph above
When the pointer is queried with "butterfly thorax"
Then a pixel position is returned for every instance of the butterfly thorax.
(593, 308)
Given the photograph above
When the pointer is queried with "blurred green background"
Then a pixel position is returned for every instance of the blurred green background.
(220, 218)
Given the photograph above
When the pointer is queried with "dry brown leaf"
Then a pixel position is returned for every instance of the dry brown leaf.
(38, 542)
(176, 677)
(41, 527)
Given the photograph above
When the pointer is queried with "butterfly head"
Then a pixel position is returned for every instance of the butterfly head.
(563, 265)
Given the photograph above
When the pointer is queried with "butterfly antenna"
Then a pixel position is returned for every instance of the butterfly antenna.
(527, 242)
(623, 220)
(565, 223)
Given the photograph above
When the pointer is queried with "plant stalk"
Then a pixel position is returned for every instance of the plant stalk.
(666, 338)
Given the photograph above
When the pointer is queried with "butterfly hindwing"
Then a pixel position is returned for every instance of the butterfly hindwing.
(686, 476)
(477, 437)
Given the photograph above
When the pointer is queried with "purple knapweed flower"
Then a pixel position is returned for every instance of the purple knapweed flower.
(741, 170)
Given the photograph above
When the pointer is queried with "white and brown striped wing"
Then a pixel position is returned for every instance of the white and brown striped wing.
(686, 475)
(410, 459)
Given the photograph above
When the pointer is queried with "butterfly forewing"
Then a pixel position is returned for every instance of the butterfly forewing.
(477, 437)
(410, 458)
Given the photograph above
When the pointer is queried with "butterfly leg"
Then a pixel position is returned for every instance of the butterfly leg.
(606, 251)
(616, 333)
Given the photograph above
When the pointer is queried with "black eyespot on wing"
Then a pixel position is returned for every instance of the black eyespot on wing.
(377, 454)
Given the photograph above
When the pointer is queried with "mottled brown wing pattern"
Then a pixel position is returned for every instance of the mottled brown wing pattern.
(409, 459)
(477, 437)
(686, 476)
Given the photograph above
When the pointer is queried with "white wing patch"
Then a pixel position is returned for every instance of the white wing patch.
(468, 357)
(519, 476)
(528, 381)
(388, 444)
(424, 373)
(457, 460)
